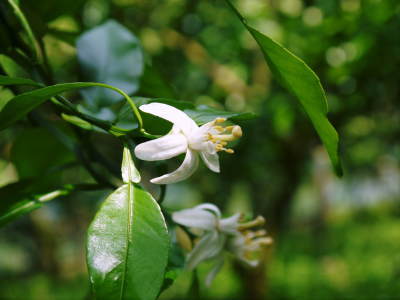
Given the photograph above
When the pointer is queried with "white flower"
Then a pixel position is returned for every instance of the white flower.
(217, 234)
(186, 137)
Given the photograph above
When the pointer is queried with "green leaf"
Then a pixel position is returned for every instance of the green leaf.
(35, 151)
(18, 199)
(203, 114)
(303, 83)
(126, 120)
(49, 10)
(127, 246)
(152, 84)
(6, 80)
(111, 54)
(11, 68)
(77, 122)
(129, 171)
(20, 105)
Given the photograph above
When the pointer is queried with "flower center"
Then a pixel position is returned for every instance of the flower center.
(220, 135)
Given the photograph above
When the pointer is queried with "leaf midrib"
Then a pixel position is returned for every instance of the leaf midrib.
(128, 232)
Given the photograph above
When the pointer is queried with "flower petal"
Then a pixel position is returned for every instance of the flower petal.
(211, 161)
(162, 148)
(172, 114)
(185, 170)
(196, 218)
(219, 262)
(209, 246)
(238, 246)
(211, 207)
(229, 225)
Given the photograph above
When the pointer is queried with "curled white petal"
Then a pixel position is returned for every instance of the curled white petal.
(209, 246)
(239, 247)
(229, 225)
(196, 218)
(172, 114)
(211, 161)
(185, 170)
(211, 207)
(162, 148)
(219, 262)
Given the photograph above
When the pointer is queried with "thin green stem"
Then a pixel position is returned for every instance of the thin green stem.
(24, 22)
(130, 101)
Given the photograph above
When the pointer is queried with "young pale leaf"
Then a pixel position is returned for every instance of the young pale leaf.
(303, 83)
(129, 171)
(20, 105)
(17, 200)
(77, 121)
(6, 80)
(127, 246)
(10, 67)
(110, 54)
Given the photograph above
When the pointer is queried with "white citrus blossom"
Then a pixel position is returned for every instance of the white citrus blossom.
(186, 137)
(217, 234)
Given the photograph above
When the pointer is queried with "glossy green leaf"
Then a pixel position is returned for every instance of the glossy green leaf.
(129, 171)
(20, 105)
(203, 114)
(6, 80)
(303, 83)
(111, 54)
(20, 198)
(127, 246)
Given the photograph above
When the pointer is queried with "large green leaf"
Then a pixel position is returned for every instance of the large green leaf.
(20, 105)
(127, 246)
(110, 54)
(303, 83)
(35, 151)
(22, 197)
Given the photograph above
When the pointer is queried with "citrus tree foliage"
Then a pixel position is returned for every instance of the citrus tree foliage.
(129, 246)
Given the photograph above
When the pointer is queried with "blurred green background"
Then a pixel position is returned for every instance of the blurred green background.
(334, 238)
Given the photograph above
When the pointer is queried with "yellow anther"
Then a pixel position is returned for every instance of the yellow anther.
(255, 234)
(265, 241)
(220, 120)
(230, 151)
(260, 233)
(219, 128)
(237, 131)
